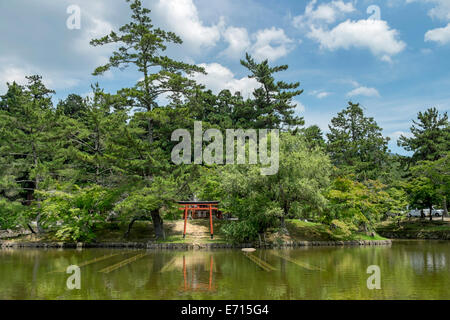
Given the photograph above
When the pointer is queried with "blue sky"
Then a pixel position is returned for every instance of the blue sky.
(391, 56)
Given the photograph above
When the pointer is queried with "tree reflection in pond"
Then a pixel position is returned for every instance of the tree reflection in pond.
(409, 270)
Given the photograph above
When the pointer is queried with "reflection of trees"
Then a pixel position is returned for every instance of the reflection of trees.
(419, 270)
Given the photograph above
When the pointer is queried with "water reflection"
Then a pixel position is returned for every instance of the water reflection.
(430, 261)
(410, 270)
(193, 270)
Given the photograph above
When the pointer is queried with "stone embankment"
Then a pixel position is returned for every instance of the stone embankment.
(189, 246)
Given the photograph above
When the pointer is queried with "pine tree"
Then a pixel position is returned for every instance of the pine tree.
(26, 122)
(87, 138)
(142, 45)
(430, 136)
(314, 137)
(73, 106)
(272, 104)
(356, 143)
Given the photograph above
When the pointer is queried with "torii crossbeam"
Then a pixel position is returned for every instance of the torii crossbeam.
(197, 206)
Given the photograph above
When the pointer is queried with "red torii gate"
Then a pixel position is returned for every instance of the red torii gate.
(195, 206)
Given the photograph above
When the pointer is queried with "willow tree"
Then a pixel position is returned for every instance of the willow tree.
(142, 45)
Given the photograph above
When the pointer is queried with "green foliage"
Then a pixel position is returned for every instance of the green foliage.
(74, 213)
(12, 213)
(72, 166)
(429, 184)
(423, 192)
(361, 204)
(430, 136)
(397, 201)
(142, 45)
(88, 140)
(261, 201)
(438, 172)
(139, 202)
(272, 101)
(343, 229)
(73, 106)
(314, 137)
(356, 144)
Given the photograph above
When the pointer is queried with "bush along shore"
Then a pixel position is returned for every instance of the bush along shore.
(188, 246)
(297, 234)
(417, 229)
(69, 168)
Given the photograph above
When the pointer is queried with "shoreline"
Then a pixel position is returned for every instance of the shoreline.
(188, 246)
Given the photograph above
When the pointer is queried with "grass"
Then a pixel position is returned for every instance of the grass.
(197, 232)
(142, 231)
(311, 231)
(414, 228)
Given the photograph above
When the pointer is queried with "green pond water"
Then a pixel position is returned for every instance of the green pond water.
(409, 270)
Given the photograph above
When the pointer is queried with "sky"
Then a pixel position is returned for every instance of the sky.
(391, 56)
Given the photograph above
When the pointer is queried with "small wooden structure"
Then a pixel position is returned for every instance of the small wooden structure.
(200, 209)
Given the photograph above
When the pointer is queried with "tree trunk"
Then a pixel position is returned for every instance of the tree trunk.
(431, 213)
(31, 229)
(282, 221)
(130, 225)
(286, 208)
(158, 225)
(150, 131)
(39, 228)
(444, 206)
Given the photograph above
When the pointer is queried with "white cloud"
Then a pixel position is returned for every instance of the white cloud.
(271, 44)
(364, 91)
(219, 77)
(320, 94)
(325, 13)
(396, 135)
(94, 27)
(441, 35)
(375, 35)
(238, 41)
(182, 17)
(11, 71)
(299, 107)
(441, 9)
(12, 74)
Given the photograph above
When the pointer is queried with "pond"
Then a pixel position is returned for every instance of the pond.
(408, 270)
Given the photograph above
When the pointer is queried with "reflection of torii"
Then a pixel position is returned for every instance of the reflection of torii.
(194, 286)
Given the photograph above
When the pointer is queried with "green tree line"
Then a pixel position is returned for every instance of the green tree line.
(85, 161)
